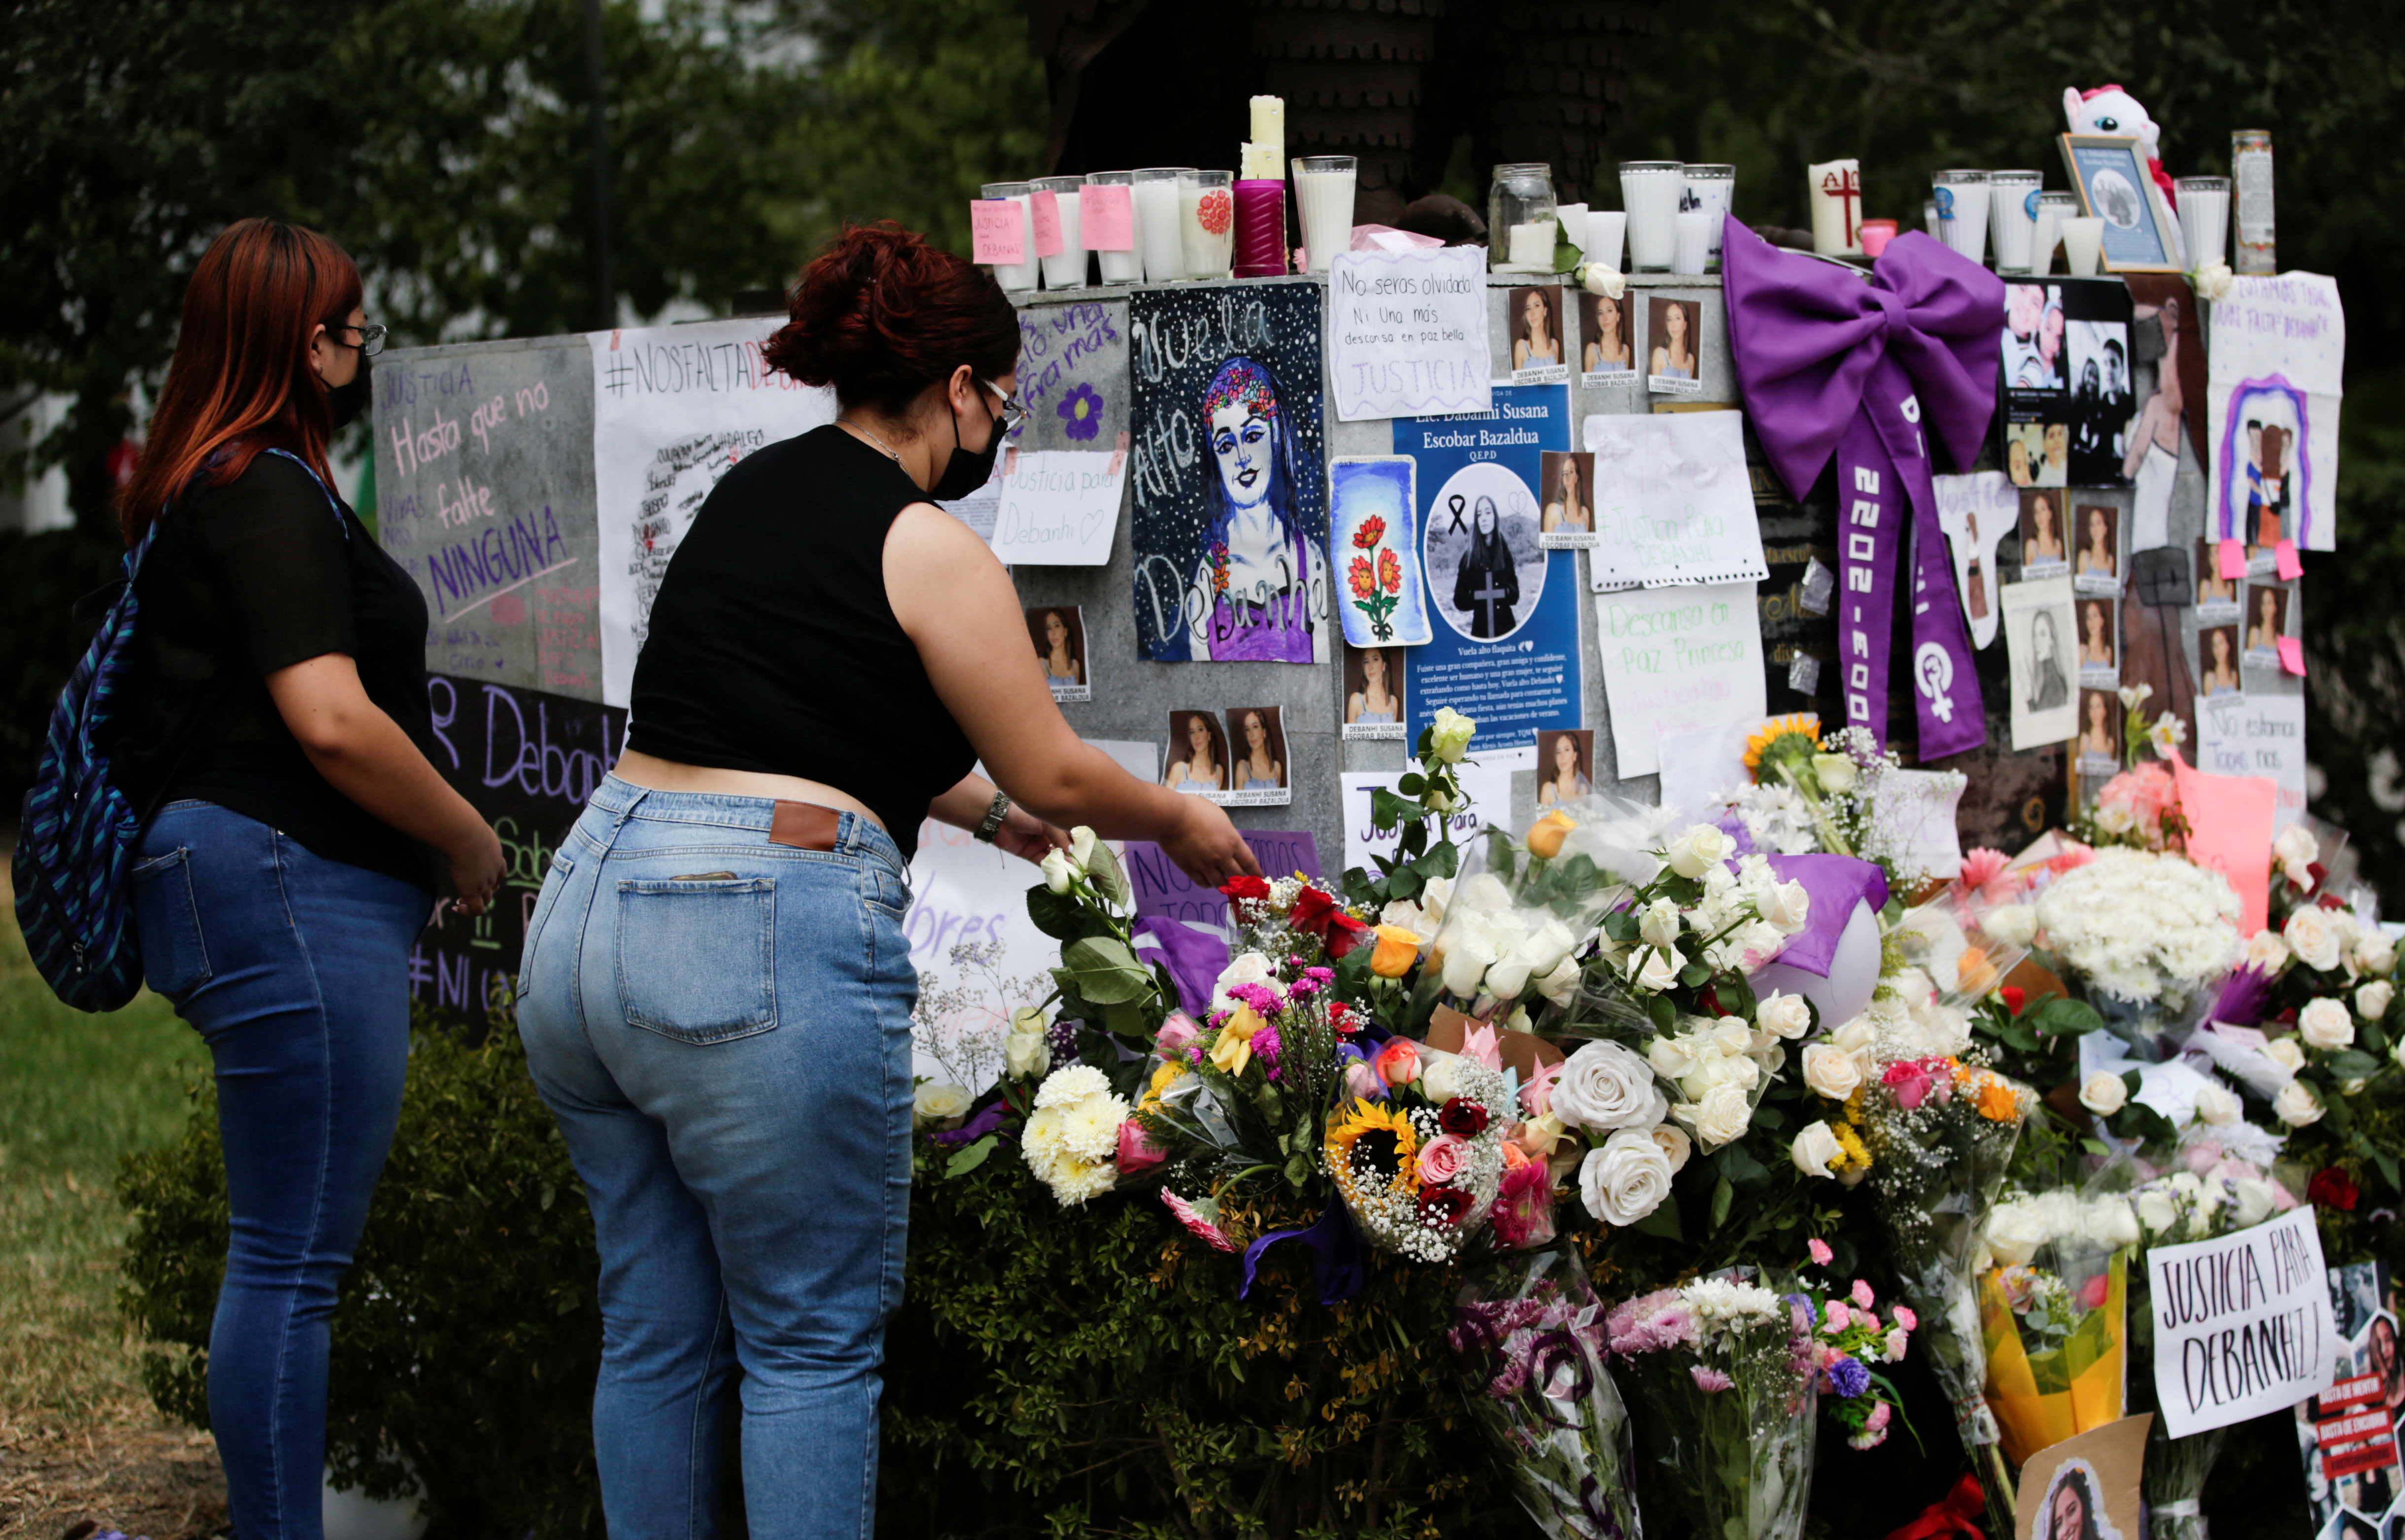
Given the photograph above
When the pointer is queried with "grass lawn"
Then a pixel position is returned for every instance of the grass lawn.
(76, 1093)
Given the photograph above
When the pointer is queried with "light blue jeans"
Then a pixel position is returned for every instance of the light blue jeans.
(722, 1026)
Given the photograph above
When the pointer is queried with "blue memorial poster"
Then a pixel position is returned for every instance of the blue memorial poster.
(1506, 633)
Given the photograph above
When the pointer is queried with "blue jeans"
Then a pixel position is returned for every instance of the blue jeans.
(722, 1026)
(296, 972)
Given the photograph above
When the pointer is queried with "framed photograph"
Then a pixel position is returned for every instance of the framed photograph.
(1374, 685)
(2112, 182)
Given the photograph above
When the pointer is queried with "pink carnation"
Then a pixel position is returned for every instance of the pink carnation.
(1192, 1219)
(1982, 866)
(1834, 1320)
(1873, 1431)
(1905, 1318)
(1862, 1293)
(1821, 1255)
(2145, 793)
(1176, 1032)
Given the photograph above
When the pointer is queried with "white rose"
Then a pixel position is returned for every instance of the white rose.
(2297, 1106)
(1484, 894)
(2256, 1200)
(1449, 735)
(1026, 1054)
(1434, 900)
(1598, 278)
(1562, 983)
(1676, 1146)
(1656, 972)
(2324, 1025)
(1058, 873)
(1466, 957)
(2114, 1225)
(2372, 1000)
(2217, 1107)
(2289, 1054)
(1506, 978)
(1787, 1015)
(1439, 1076)
(1836, 773)
(939, 1101)
(2015, 1232)
(1403, 914)
(1719, 1115)
(2012, 924)
(2267, 952)
(2296, 849)
(1815, 1149)
(1544, 947)
(2213, 281)
(1831, 1071)
(2104, 1094)
(2353, 1087)
(2311, 937)
(1625, 1179)
(1857, 1036)
(1659, 925)
(1733, 1035)
(1673, 1058)
(1787, 908)
(1605, 1085)
(2375, 954)
(1081, 847)
(1247, 967)
(1700, 849)
(2157, 1211)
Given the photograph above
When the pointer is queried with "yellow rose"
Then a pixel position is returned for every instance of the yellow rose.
(1546, 835)
(1396, 950)
(1234, 1049)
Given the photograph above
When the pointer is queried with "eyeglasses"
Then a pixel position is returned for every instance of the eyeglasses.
(371, 341)
(1012, 413)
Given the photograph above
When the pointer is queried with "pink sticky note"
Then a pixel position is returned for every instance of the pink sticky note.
(1046, 208)
(2230, 831)
(1106, 217)
(997, 232)
(2290, 566)
(2233, 559)
(2292, 654)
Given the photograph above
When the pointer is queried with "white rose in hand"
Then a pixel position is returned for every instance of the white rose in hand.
(1831, 1071)
(1625, 1179)
(1605, 1085)
(2311, 937)
(2297, 1106)
(2324, 1025)
(1816, 1150)
(1700, 849)
(1058, 873)
(1787, 1015)
(2015, 1232)
(2217, 1107)
(2104, 1094)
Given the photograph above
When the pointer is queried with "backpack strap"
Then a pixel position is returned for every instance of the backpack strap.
(331, 501)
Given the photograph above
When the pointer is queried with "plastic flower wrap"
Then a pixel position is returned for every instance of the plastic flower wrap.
(1939, 1135)
(1725, 1370)
(1528, 1340)
(1851, 1341)
(2150, 930)
(1417, 1152)
(2053, 1306)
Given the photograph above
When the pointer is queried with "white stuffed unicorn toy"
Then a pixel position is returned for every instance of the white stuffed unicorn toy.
(2109, 109)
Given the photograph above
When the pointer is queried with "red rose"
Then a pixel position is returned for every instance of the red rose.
(1445, 1204)
(1344, 933)
(2015, 997)
(1462, 1118)
(1311, 910)
(1244, 887)
(1344, 1018)
(2330, 1189)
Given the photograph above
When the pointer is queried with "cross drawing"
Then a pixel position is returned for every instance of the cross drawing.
(1488, 597)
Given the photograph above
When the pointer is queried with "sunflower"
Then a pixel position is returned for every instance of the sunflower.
(1373, 1138)
(1802, 729)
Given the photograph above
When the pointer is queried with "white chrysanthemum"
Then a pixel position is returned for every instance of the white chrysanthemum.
(1721, 1302)
(1090, 1128)
(1044, 1143)
(1076, 1180)
(2138, 925)
(1071, 1084)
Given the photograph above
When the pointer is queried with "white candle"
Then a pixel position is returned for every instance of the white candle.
(1650, 189)
(1694, 247)
(1572, 218)
(1323, 195)
(1259, 163)
(2083, 241)
(1207, 253)
(1156, 218)
(1269, 128)
(1605, 228)
(1019, 277)
(1068, 269)
(1836, 188)
(1532, 245)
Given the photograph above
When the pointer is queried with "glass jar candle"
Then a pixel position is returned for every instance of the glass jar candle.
(1017, 277)
(1118, 264)
(1157, 225)
(1206, 221)
(1522, 223)
(1067, 269)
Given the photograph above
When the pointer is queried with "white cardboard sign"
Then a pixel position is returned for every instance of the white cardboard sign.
(2242, 1324)
(1060, 508)
(1407, 333)
(1675, 656)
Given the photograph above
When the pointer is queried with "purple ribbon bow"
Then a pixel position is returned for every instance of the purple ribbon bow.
(1832, 364)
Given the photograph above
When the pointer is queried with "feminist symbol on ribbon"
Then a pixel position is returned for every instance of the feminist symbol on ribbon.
(1933, 670)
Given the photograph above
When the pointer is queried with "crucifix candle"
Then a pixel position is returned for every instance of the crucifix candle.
(1836, 192)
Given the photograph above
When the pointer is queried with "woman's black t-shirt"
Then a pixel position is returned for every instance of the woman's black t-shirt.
(244, 580)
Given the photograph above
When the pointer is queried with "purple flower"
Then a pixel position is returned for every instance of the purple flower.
(2244, 997)
(1081, 412)
(1847, 1376)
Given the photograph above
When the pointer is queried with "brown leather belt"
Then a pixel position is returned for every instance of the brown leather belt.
(805, 825)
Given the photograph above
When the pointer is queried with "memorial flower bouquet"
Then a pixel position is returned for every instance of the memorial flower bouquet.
(1849, 1338)
(1528, 1337)
(1726, 1370)
(2149, 932)
(1417, 1152)
(2053, 1304)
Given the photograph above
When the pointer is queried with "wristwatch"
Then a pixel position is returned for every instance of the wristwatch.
(994, 817)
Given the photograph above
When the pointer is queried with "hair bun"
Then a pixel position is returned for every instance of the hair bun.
(880, 313)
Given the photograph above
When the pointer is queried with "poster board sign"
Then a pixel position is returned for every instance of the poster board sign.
(2242, 1324)
(1407, 333)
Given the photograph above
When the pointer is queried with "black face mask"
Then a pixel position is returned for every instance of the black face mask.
(967, 469)
(349, 401)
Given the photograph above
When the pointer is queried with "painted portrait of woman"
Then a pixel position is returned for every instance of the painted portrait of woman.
(1486, 581)
(1256, 588)
(1674, 356)
(1196, 763)
(1537, 340)
(2050, 688)
(1607, 350)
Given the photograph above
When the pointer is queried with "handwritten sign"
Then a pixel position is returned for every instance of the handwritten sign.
(998, 232)
(1407, 333)
(1676, 655)
(1673, 503)
(1106, 217)
(2291, 325)
(2261, 735)
(1485, 799)
(1161, 889)
(2271, 412)
(1061, 507)
(2242, 1324)
(1044, 208)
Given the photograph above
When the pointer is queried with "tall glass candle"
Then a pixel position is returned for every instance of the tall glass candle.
(1711, 191)
(2083, 241)
(2204, 218)
(1962, 199)
(1693, 251)
(1156, 216)
(1017, 277)
(1206, 221)
(1323, 197)
(2250, 169)
(1068, 269)
(1605, 230)
(1123, 266)
(2012, 212)
(1650, 191)
(2052, 209)
(1836, 188)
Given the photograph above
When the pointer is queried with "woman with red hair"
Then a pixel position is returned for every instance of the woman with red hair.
(718, 987)
(279, 728)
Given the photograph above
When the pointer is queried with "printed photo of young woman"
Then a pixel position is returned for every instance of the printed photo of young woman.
(1569, 499)
(1059, 633)
(1258, 776)
(1197, 755)
(1373, 691)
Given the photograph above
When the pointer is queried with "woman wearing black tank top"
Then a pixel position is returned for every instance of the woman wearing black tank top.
(718, 990)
